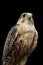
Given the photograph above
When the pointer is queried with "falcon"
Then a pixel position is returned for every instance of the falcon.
(21, 41)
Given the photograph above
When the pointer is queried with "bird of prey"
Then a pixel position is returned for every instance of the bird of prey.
(21, 41)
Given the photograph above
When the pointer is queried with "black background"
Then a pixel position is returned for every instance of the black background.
(9, 14)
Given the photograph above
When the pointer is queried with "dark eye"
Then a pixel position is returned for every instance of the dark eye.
(24, 15)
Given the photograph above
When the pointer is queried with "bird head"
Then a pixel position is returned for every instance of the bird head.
(26, 18)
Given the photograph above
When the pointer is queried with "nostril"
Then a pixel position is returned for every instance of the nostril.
(29, 18)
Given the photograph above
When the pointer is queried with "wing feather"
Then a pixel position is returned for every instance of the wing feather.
(12, 35)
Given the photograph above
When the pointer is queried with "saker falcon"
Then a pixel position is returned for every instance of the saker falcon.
(21, 41)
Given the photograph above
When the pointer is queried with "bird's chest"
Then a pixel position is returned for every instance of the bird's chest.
(27, 37)
(25, 40)
(26, 34)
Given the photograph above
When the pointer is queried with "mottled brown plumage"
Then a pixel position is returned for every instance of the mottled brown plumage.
(20, 42)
